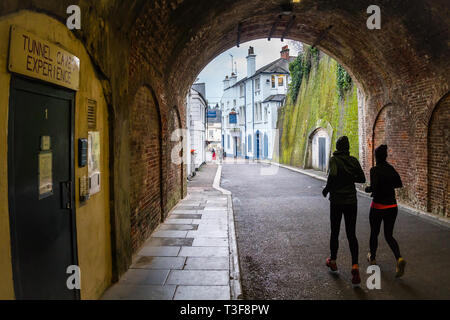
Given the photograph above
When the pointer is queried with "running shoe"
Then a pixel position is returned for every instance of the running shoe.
(400, 269)
(332, 265)
(356, 279)
(371, 261)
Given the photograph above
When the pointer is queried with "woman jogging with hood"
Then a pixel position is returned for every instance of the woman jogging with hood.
(383, 182)
(344, 170)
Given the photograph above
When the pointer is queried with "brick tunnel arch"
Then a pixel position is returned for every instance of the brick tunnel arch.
(168, 42)
(403, 63)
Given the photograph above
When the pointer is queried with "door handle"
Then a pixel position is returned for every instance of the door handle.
(66, 195)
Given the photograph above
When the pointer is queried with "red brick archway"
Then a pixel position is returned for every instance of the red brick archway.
(439, 159)
(145, 166)
(392, 128)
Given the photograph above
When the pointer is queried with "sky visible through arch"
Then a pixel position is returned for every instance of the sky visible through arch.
(266, 52)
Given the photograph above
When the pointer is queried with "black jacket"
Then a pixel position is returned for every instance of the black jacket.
(383, 182)
(344, 170)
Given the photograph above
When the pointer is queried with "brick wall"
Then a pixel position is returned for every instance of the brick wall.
(392, 128)
(175, 169)
(439, 159)
(145, 167)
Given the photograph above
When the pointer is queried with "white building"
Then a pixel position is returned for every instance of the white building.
(196, 107)
(250, 107)
(214, 132)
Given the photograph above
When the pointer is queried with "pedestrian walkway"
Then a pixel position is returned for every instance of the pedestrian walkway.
(191, 255)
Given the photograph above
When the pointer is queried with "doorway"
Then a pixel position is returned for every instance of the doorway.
(322, 156)
(41, 189)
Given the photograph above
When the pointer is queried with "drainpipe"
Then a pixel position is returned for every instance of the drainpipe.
(245, 120)
(253, 118)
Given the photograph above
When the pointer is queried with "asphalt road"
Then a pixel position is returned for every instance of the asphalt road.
(282, 226)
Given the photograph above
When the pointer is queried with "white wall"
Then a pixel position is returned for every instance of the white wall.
(195, 113)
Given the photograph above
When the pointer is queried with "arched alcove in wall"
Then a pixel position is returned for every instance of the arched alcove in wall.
(175, 180)
(145, 166)
(439, 158)
(392, 128)
(318, 148)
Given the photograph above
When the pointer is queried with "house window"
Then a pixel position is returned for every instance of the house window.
(280, 81)
(241, 115)
(265, 114)
(273, 81)
(257, 84)
(234, 103)
(241, 90)
(249, 144)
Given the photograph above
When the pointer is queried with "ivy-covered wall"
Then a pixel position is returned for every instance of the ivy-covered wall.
(326, 98)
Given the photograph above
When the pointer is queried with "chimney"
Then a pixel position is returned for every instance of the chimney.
(233, 79)
(285, 52)
(251, 62)
(226, 83)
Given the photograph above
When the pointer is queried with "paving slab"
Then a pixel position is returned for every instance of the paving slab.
(164, 242)
(215, 263)
(162, 251)
(209, 227)
(210, 242)
(121, 291)
(178, 227)
(204, 252)
(208, 234)
(176, 211)
(171, 220)
(165, 263)
(186, 216)
(145, 277)
(169, 234)
(202, 293)
(198, 277)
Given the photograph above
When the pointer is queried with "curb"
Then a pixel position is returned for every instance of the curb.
(412, 211)
(235, 278)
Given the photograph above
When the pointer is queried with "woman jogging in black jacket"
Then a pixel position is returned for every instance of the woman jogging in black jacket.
(344, 170)
(383, 182)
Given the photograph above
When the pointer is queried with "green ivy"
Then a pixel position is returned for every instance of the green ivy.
(344, 81)
(301, 67)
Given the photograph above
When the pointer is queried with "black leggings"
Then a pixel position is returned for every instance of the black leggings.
(349, 211)
(376, 217)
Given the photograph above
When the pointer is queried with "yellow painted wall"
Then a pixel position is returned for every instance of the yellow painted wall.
(93, 222)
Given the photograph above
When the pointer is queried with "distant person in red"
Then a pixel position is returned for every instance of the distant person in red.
(383, 182)
(344, 171)
(213, 154)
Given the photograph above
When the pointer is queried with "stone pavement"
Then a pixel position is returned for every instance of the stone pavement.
(192, 255)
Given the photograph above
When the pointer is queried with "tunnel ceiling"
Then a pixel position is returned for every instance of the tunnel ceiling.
(178, 38)
(182, 37)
